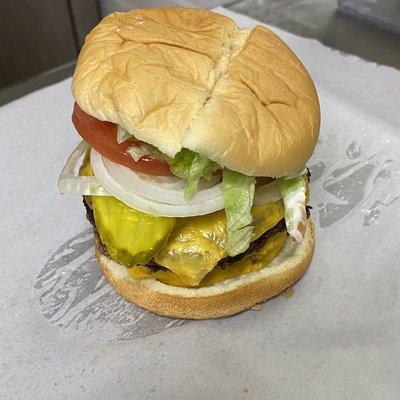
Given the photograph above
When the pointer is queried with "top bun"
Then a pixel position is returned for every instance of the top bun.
(179, 77)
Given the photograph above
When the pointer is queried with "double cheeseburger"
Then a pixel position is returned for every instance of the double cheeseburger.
(195, 134)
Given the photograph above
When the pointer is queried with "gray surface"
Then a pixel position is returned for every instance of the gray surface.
(22, 88)
(384, 13)
(108, 6)
(320, 19)
(66, 334)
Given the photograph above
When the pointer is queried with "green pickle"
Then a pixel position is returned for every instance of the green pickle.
(131, 237)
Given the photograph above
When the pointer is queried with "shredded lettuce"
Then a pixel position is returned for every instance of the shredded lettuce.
(238, 194)
(143, 149)
(136, 152)
(294, 195)
(123, 135)
(140, 149)
(192, 166)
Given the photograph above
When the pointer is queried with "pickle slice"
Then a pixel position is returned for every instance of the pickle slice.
(131, 237)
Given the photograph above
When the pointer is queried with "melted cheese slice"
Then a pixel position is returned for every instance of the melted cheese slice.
(252, 262)
(196, 244)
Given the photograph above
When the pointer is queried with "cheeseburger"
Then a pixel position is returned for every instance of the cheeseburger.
(195, 137)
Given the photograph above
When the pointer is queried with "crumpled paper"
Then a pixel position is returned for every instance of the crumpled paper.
(65, 333)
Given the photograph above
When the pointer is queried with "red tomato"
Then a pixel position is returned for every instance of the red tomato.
(102, 136)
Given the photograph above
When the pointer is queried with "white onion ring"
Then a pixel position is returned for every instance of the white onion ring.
(105, 172)
(158, 195)
(70, 182)
(267, 194)
(164, 189)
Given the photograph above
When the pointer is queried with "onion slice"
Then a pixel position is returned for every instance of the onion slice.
(70, 182)
(164, 189)
(267, 194)
(157, 195)
(147, 196)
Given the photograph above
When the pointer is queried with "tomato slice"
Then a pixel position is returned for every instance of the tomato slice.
(102, 136)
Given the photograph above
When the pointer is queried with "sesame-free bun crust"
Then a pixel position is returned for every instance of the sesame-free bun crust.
(226, 298)
(178, 77)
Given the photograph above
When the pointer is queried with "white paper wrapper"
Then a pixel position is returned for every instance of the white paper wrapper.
(64, 333)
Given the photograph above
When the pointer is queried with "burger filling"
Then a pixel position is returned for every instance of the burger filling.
(182, 220)
(188, 252)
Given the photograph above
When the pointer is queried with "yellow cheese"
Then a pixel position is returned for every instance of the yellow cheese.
(252, 262)
(196, 244)
(86, 170)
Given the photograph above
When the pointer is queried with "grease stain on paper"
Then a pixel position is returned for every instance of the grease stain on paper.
(288, 293)
(351, 184)
(74, 295)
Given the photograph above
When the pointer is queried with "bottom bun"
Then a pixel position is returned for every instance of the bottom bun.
(222, 299)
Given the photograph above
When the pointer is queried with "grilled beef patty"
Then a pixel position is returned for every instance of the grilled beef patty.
(223, 263)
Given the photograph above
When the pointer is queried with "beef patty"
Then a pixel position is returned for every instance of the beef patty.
(223, 263)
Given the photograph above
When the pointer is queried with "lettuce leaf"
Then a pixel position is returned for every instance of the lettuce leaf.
(294, 195)
(238, 194)
(143, 149)
(123, 135)
(139, 149)
(137, 152)
(192, 166)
